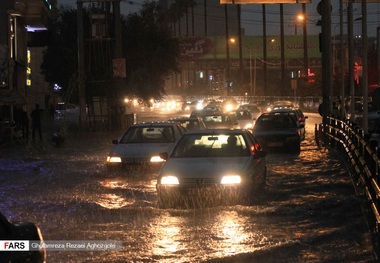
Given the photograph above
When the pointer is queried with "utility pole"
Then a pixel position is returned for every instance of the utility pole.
(81, 76)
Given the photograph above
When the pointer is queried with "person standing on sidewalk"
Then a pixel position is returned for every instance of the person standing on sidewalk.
(25, 125)
(36, 121)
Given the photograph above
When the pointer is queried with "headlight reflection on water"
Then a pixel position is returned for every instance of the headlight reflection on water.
(112, 201)
(206, 234)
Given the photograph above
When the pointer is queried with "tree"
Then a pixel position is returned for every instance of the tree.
(60, 63)
(150, 51)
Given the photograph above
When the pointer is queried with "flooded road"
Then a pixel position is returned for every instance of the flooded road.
(308, 213)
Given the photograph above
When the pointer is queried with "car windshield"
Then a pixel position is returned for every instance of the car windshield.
(211, 145)
(243, 115)
(274, 122)
(148, 135)
(216, 118)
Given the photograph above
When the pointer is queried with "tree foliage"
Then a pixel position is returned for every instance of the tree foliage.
(150, 51)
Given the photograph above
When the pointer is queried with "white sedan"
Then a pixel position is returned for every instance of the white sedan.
(141, 144)
(212, 163)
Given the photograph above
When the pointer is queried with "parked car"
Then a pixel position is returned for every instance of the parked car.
(25, 231)
(190, 124)
(300, 118)
(141, 144)
(244, 119)
(278, 130)
(208, 164)
(220, 121)
(253, 109)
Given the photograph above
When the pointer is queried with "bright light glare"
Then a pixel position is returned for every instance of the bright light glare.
(113, 159)
(156, 159)
(231, 179)
(199, 105)
(229, 107)
(248, 126)
(169, 180)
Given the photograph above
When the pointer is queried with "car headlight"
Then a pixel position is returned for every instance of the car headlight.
(113, 159)
(249, 126)
(156, 159)
(199, 106)
(231, 179)
(170, 179)
(229, 107)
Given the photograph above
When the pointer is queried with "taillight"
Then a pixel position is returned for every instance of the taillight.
(253, 149)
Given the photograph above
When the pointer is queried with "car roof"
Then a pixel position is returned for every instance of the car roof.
(218, 131)
(185, 119)
(153, 124)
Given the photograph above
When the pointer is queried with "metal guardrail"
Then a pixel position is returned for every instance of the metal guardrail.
(363, 163)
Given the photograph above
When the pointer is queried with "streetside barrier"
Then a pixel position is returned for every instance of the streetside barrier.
(363, 163)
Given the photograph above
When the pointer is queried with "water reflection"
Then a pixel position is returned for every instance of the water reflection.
(203, 234)
(112, 201)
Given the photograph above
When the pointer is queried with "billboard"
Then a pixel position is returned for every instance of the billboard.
(265, 1)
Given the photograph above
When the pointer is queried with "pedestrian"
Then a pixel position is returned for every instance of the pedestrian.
(52, 112)
(36, 121)
(25, 124)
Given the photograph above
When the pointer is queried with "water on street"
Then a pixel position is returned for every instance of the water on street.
(309, 211)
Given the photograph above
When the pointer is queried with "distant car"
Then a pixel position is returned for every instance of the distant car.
(278, 130)
(141, 144)
(210, 164)
(191, 105)
(300, 118)
(282, 105)
(26, 231)
(212, 108)
(264, 106)
(220, 121)
(190, 124)
(253, 109)
(244, 119)
(229, 104)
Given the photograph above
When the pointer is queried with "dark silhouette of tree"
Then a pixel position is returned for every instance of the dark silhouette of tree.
(150, 51)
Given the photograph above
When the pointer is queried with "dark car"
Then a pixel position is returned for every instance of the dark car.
(21, 231)
(278, 130)
(299, 117)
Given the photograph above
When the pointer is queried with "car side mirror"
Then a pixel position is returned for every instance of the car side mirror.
(164, 155)
(115, 141)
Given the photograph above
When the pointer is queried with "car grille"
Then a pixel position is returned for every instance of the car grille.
(199, 181)
(135, 160)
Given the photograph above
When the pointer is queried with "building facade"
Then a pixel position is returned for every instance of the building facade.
(20, 19)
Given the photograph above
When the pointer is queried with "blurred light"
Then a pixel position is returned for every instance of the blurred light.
(169, 180)
(231, 179)
(156, 159)
(113, 159)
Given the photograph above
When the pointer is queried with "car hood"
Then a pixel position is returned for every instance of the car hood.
(140, 149)
(205, 167)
